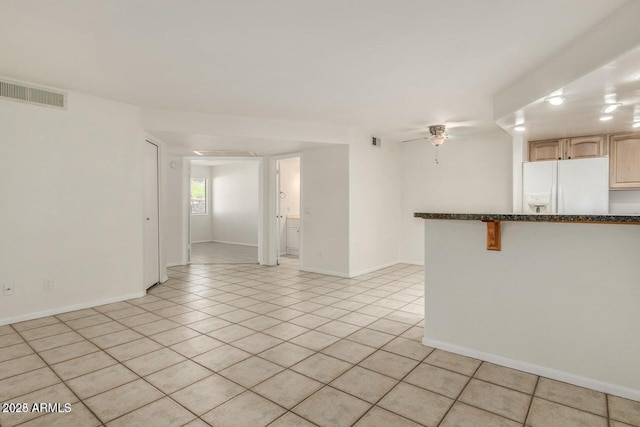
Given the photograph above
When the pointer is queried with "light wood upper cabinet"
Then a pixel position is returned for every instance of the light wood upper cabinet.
(624, 162)
(584, 147)
(569, 148)
(546, 150)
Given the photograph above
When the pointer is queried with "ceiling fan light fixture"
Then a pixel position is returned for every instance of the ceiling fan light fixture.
(610, 108)
(556, 100)
(437, 134)
(437, 140)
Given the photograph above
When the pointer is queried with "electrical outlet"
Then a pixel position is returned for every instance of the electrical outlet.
(48, 284)
(8, 289)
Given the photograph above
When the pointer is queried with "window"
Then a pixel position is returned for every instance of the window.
(198, 196)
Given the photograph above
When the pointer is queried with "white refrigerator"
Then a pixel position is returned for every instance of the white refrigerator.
(571, 187)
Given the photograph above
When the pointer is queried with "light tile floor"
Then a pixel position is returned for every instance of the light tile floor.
(223, 253)
(244, 345)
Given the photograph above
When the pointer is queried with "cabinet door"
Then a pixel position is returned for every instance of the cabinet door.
(585, 147)
(624, 162)
(545, 150)
(293, 238)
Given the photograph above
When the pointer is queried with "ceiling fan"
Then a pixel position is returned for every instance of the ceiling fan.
(437, 137)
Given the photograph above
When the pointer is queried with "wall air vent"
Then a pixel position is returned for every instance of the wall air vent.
(31, 95)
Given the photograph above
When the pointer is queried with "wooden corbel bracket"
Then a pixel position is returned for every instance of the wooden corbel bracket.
(493, 235)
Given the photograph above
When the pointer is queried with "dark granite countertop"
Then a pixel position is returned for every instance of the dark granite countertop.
(604, 219)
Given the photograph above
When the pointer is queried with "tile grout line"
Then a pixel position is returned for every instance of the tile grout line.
(122, 363)
(533, 395)
(288, 368)
(400, 381)
(81, 401)
(457, 398)
(113, 388)
(325, 288)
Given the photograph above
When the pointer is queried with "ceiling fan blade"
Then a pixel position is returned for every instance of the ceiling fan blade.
(416, 139)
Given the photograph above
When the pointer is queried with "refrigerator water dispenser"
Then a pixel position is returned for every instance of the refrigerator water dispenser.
(538, 203)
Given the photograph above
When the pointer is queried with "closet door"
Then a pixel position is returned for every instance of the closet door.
(151, 217)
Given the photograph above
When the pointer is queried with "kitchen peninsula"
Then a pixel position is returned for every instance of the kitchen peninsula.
(555, 295)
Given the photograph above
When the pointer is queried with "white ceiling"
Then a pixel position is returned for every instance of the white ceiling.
(219, 162)
(183, 144)
(388, 67)
(618, 81)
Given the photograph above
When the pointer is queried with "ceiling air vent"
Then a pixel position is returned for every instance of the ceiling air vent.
(31, 95)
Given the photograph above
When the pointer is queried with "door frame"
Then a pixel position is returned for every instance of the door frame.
(186, 193)
(273, 213)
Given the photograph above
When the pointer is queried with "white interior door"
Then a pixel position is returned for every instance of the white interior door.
(279, 221)
(151, 217)
(188, 211)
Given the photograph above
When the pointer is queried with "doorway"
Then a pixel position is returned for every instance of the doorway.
(151, 236)
(289, 224)
(224, 211)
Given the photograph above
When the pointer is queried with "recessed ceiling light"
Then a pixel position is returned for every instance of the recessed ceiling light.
(610, 108)
(605, 118)
(555, 100)
(520, 128)
(636, 124)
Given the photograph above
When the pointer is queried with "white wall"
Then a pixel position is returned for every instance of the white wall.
(325, 210)
(375, 189)
(174, 211)
(474, 175)
(559, 300)
(71, 194)
(202, 224)
(290, 186)
(235, 203)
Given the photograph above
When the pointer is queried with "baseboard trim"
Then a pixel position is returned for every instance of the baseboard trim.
(412, 263)
(326, 272)
(59, 310)
(253, 245)
(554, 374)
(372, 269)
(175, 265)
